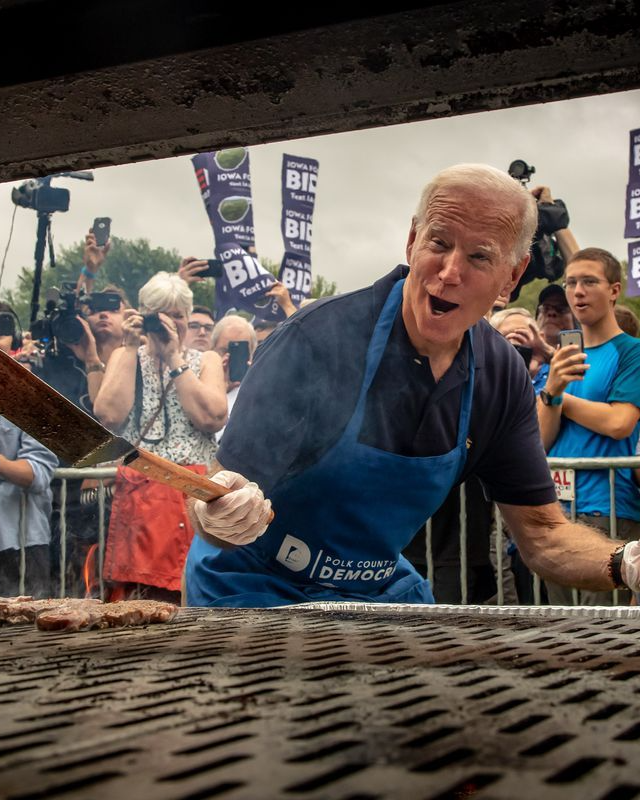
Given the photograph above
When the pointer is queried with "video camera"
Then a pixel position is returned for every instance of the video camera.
(60, 321)
(62, 309)
(39, 195)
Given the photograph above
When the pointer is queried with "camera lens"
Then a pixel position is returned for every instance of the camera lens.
(67, 329)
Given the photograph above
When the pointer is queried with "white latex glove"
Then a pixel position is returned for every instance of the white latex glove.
(630, 567)
(239, 517)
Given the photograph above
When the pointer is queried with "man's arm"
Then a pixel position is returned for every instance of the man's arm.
(559, 550)
(616, 420)
(17, 471)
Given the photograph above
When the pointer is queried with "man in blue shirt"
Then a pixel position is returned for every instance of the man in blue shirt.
(591, 402)
(26, 469)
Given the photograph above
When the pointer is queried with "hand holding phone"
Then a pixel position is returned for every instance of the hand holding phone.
(568, 362)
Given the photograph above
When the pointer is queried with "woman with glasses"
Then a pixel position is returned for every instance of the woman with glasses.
(169, 399)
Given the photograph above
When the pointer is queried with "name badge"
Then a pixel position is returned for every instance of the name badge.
(565, 482)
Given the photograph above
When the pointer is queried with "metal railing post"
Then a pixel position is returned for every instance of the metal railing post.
(464, 591)
(22, 536)
(63, 537)
(499, 543)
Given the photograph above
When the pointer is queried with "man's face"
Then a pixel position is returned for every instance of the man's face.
(200, 332)
(589, 293)
(106, 325)
(460, 261)
(554, 315)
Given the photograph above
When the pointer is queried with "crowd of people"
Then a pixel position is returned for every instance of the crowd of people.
(163, 375)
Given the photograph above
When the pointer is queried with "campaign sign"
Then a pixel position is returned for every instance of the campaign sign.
(633, 269)
(634, 156)
(295, 274)
(224, 178)
(244, 283)
(299, 182)
(632, 215)
(564, 481)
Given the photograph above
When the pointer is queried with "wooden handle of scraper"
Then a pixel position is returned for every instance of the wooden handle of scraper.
(180, 478)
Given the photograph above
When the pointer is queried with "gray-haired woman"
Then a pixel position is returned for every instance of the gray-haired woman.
(170, 400)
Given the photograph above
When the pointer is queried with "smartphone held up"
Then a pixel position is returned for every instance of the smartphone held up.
(101, 230)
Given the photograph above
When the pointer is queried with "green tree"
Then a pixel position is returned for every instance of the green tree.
(129, 265)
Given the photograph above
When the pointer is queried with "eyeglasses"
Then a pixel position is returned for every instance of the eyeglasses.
(195, 326)
(587, 283)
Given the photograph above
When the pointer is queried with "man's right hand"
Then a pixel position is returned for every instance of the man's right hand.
(566, 365)
(239, 517)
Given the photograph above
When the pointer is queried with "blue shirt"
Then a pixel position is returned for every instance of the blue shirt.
(613, 377)
(16, 444)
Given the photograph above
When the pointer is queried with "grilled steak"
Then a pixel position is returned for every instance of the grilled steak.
(73, 614)
(73, 617)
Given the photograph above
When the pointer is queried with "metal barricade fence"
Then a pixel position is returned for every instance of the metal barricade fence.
(612, 464)
(102, 473)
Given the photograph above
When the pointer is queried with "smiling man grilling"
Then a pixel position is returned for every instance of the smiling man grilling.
(362, 411)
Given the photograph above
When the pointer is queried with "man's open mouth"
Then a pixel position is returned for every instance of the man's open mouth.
(440, 307)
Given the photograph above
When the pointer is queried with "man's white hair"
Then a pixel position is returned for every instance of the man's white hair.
(496, 183)
(163, 292)
(234, 319)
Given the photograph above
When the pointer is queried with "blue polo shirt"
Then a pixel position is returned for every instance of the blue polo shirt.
(613, 377)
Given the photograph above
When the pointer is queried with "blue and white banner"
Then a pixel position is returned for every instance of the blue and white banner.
(224, 178)
(632, 212)
(633, 270)
(634, 156)
(299, 180)
(245, 282)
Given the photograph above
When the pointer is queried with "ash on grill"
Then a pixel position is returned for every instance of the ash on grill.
(326, 703)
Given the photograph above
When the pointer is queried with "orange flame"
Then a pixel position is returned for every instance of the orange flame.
(89, 571)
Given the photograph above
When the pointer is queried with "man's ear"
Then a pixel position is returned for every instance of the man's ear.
(616, 288)
(516, 273)
(411, 240)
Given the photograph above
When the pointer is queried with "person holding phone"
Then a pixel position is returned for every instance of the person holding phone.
(235, 341)
(361, 412)
(590, 405)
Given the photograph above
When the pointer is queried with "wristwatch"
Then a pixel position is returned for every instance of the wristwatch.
(549, 399)
(99, 367)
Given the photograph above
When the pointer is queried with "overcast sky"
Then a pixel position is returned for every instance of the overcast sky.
(368, 186)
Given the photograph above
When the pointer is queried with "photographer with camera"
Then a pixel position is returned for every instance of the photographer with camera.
(553, 242)
(170, 400)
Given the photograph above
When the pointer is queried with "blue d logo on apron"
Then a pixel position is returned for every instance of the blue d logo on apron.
(340, 524)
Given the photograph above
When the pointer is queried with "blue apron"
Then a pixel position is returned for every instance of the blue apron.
(340, 524)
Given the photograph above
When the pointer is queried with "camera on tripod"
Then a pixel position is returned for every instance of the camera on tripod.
(41, 197)
(60, 321)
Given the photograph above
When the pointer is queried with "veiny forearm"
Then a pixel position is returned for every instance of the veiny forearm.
(18, 472)
(616, 420)
(549, 419)
(116, 395)
(556, 549)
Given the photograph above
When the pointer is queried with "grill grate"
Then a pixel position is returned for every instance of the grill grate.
(348, 703)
